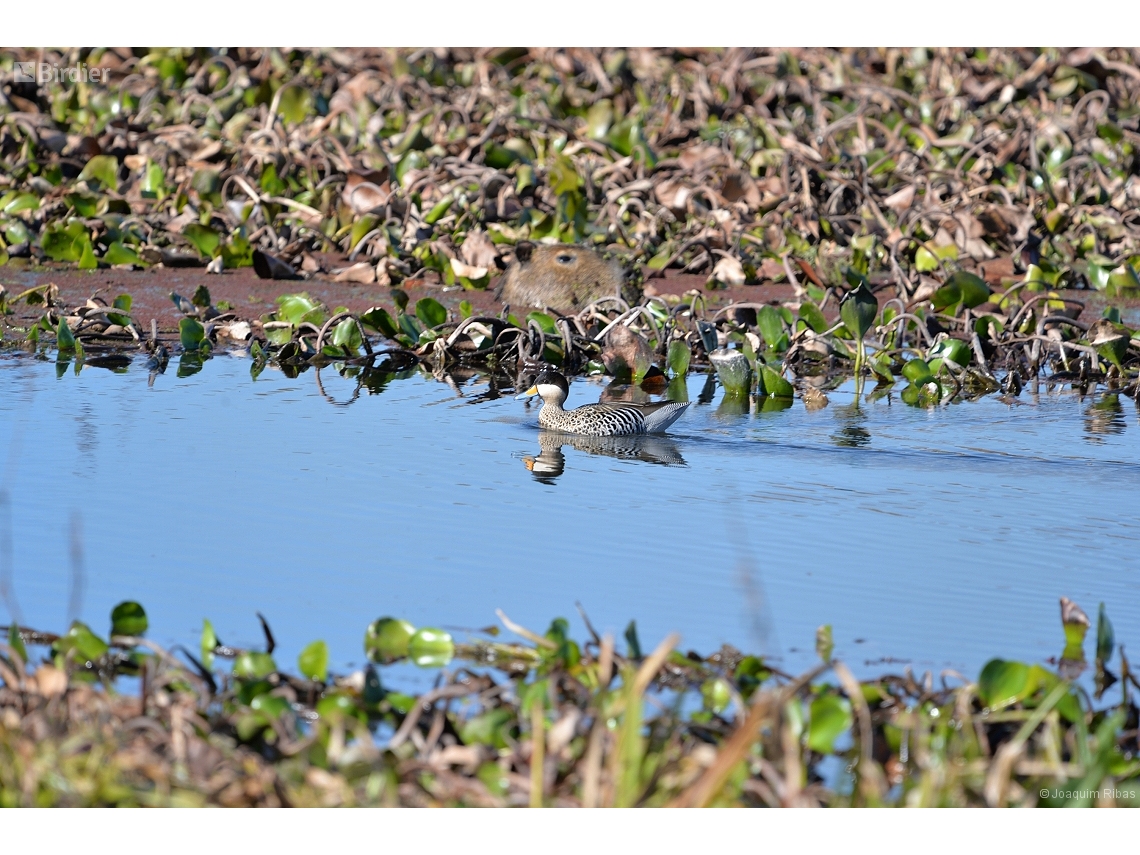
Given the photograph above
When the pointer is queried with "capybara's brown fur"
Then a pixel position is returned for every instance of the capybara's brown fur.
(563, 277)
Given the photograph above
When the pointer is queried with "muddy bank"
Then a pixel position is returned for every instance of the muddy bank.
(251, 297)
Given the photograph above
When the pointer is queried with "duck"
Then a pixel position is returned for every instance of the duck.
(618, 419)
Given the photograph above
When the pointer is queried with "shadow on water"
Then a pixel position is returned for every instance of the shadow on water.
(551, 462)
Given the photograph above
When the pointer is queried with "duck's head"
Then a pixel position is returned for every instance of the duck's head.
(549, 385)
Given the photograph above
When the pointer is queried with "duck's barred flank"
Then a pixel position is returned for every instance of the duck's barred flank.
(617, 419)
(611, 419)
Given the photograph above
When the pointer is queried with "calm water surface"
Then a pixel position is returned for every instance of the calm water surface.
(936, 539)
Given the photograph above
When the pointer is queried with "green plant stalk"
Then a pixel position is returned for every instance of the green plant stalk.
(997, 781)
(1097, 767)
(538, 751)
(631, 745)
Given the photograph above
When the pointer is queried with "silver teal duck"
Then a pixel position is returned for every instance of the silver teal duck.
(617, 419)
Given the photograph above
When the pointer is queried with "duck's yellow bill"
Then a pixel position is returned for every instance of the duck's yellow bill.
(533, 390)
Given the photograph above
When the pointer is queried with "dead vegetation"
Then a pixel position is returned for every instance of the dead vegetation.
(547, 721)
(970, 191)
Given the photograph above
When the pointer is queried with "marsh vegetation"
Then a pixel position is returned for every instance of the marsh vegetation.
(943, 226)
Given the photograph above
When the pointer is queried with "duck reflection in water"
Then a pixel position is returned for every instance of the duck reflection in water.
(551, 462)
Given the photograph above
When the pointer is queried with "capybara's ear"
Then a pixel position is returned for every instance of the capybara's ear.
(523, 251)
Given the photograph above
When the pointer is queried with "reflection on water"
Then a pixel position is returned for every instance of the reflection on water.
(708, 389)
(618, 392)
(851, 433)
(372, 378)
(410, 502)
(551, 462)
(1104, 418)
(732, 406)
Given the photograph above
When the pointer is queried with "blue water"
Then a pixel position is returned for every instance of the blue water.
(934, 539)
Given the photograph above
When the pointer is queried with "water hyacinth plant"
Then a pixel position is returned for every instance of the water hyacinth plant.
(545, 719)
(901, 224)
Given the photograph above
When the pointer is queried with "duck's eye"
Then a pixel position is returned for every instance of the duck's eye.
(564, 258)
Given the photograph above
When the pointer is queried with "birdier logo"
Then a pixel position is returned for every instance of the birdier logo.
(47, 72)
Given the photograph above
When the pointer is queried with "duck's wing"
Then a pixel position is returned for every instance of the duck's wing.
(660, 415)
(654, 418)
